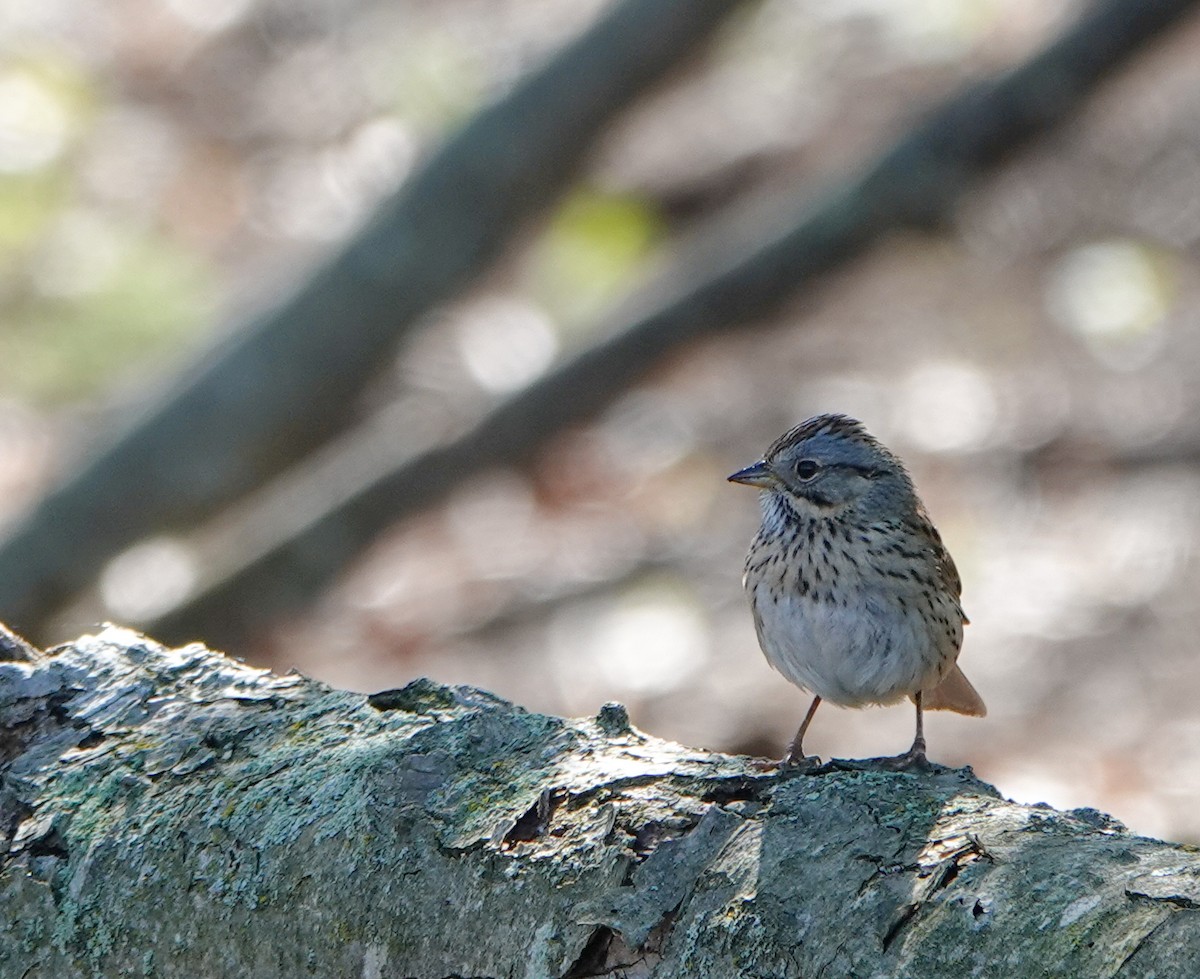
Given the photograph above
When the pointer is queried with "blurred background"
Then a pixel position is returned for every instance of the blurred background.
(174, 172)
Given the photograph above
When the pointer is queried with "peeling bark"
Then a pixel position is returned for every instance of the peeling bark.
(177, 813)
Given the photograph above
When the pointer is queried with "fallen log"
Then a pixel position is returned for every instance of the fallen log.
(174, 812)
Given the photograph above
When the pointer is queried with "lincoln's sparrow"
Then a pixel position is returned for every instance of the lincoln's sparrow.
(855, 598)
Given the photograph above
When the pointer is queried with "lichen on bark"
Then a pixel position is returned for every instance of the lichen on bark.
(172, 812)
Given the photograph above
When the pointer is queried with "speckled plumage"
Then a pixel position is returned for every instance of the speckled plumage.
(855, 598)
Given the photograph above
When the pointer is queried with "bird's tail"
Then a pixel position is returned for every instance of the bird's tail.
(955, 693)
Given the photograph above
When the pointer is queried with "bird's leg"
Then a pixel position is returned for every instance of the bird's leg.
(795, 757)
(917, 751)
(915, 756)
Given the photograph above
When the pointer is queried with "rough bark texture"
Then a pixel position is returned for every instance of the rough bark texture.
(176, 813)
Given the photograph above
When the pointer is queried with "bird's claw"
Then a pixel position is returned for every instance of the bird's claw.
(800, 763)
(913, 760)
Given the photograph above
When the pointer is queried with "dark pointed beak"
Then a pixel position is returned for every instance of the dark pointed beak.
(757, 475)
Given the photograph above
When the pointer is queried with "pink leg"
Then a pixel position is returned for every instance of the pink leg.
(915, 756)
(795, 754)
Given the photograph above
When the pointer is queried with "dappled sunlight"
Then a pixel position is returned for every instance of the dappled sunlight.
(504, 342)
(34, 123)
(651, 639)
(148, 579)
(1115, 295)
(209, 16)
(948, 407)
(1069, 565)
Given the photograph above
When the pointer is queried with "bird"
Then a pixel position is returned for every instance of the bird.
(854, 596)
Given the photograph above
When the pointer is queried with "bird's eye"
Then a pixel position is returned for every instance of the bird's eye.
(806, 469)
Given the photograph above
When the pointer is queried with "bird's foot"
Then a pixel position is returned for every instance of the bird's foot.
(800, 764)
(913, 760)
(792, 762)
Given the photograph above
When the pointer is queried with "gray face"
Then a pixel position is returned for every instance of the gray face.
(830, 470)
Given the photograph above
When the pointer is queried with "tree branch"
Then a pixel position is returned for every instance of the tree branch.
(176, 813)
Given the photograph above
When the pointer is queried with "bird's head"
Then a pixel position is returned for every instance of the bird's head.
(826, 464)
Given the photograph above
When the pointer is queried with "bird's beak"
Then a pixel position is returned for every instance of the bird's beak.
(756, 475)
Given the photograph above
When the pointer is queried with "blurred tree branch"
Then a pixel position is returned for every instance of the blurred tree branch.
(733, 275)
(290, 380)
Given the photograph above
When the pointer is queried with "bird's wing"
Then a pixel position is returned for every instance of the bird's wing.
(943, 564)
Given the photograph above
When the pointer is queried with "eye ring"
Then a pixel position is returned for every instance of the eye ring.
(807, 469)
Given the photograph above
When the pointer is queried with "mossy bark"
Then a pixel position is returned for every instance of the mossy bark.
(177, 813)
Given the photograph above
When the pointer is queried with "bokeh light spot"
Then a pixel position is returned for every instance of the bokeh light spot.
(948, 406)
(148, 579)
(1114, 295)
(505, 343)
